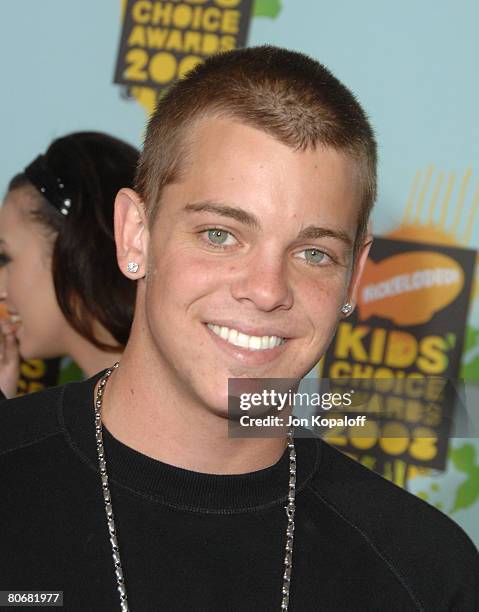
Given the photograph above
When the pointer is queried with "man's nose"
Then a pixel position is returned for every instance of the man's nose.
(264, 282)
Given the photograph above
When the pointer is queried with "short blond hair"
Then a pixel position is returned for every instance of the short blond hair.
(283, 93)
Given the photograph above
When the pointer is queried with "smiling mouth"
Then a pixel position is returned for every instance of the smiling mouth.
(252, 343)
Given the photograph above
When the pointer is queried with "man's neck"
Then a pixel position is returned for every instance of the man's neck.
(155, 419)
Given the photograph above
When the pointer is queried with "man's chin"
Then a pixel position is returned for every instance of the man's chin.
(218, 408)
(214, 401)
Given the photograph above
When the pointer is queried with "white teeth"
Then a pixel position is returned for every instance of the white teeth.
(242, 340)
(253, 343)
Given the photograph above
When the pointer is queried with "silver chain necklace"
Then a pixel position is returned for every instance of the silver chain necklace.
(120, 580)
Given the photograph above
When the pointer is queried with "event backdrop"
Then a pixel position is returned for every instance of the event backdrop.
(72, 65)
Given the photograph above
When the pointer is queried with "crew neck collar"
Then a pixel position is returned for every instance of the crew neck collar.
(174, 486)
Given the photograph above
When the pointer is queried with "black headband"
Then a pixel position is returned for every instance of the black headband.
(49, 184)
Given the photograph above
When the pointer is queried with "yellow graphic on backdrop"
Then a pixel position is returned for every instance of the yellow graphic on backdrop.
(163, 40)
(408, 288)
(146, 96)
(432, 198)
(426, 220)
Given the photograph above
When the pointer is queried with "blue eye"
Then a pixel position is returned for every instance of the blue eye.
(217, 236)
(313, 256)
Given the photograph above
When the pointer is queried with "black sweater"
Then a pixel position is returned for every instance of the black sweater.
(197, 542)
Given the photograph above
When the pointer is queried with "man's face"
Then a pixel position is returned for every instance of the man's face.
(250, 260)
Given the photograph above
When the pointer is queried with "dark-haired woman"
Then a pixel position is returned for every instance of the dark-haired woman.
(60, 281)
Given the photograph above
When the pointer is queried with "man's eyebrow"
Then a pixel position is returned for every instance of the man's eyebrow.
(225, 210)
(312, 232)
(309, 233)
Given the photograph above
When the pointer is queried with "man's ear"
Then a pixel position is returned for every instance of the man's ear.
(359, 265)
(131, 234)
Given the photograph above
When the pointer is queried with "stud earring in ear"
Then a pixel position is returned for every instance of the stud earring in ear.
(132, 267)
(347, 309)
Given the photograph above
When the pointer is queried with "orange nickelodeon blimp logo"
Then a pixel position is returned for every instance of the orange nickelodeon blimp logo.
(409, 288)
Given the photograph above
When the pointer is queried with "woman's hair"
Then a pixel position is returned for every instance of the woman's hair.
(88, 168)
